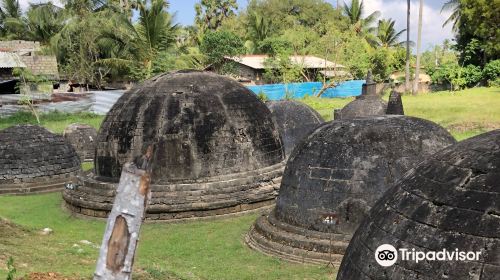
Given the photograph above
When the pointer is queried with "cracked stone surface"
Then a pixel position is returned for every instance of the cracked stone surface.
(217, 148)
(337, 174)
(450, 201)
(295, 121)
(32, 160)
(83, 138)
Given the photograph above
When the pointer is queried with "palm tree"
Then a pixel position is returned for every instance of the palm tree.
(43, 21)
(142, 41)
(455, 7)
(362, 25)
(259, 27)
(407, 67)
(11, 22)
(419, 43)
(387, 35)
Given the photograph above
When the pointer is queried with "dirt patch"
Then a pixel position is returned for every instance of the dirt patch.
(9, 230)
(47, 276)
(463, 127)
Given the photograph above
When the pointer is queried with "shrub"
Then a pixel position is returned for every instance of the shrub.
(471, 74)
(491, 71)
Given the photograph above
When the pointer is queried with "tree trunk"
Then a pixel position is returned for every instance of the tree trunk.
(118, 247)
(407, 69)
(419, 43)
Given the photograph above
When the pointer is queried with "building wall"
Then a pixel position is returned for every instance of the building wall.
(42, 65)
(18, 45)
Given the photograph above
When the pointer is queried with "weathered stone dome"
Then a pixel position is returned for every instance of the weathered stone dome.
(364, 106)
(334, 176)
(369, 104)
(217, 148)
(83, 138)
(449, 202)
(34, 160)
(295, 121)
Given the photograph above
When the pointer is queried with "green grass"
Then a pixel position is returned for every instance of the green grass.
(465, 113)
(54, 121)
(190, 250)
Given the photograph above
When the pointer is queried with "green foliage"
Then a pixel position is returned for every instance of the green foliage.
(11, 269)
(280, 69)
(491, 71)
(387, 35)
(210, 14)
(262, 96)
(472, 75)
(217, 45)
(381, 64)
(275, 45)
(44, 21)
(477, 20)
(355, 13)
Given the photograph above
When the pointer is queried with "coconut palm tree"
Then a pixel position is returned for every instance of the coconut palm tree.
(141, 42)
(355, 11)
(11, 23)
(259, 27)
(407, 67)
(419, 43)
(456, 12)
(43, 21)
(387, 35)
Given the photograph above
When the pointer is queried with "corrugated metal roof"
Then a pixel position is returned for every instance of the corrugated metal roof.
(10, 60)
(306, 61)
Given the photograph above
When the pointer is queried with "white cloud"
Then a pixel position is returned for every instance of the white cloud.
(433, 31)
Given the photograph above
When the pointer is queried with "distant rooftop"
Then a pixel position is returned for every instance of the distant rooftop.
(306, 61)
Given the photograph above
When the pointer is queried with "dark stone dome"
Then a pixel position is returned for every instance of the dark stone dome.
(364, 106)
(450, 201)
(32, 160)
(217, 148)
(295, 121)
(83, 138)
(338, 173)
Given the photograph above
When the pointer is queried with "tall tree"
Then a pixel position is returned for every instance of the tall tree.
(479, 20)
(142, 41)
(387, 35)
(454, 18)
(44, 21)
(211, 13)
(11, 23)
(407, 67)
(419, 43)
(355, 13)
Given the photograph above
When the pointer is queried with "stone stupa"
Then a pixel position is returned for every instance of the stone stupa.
(217, 150)
(34, 160)
(332, 179)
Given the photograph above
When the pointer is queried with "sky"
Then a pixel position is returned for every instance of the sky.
(432, 30)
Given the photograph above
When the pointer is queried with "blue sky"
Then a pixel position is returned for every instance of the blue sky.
(432, 31)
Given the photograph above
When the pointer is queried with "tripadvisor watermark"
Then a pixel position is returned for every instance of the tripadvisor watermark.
(387, 255)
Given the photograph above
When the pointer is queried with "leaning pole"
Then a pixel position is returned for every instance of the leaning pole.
(116, 256)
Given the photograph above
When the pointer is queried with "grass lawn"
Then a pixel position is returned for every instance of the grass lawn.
(192, 250)
(55, 121)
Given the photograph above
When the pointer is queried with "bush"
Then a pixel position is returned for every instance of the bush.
(262, 96)
(471, 74)
(491, 72)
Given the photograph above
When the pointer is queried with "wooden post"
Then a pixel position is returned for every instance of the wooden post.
(118, 247)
